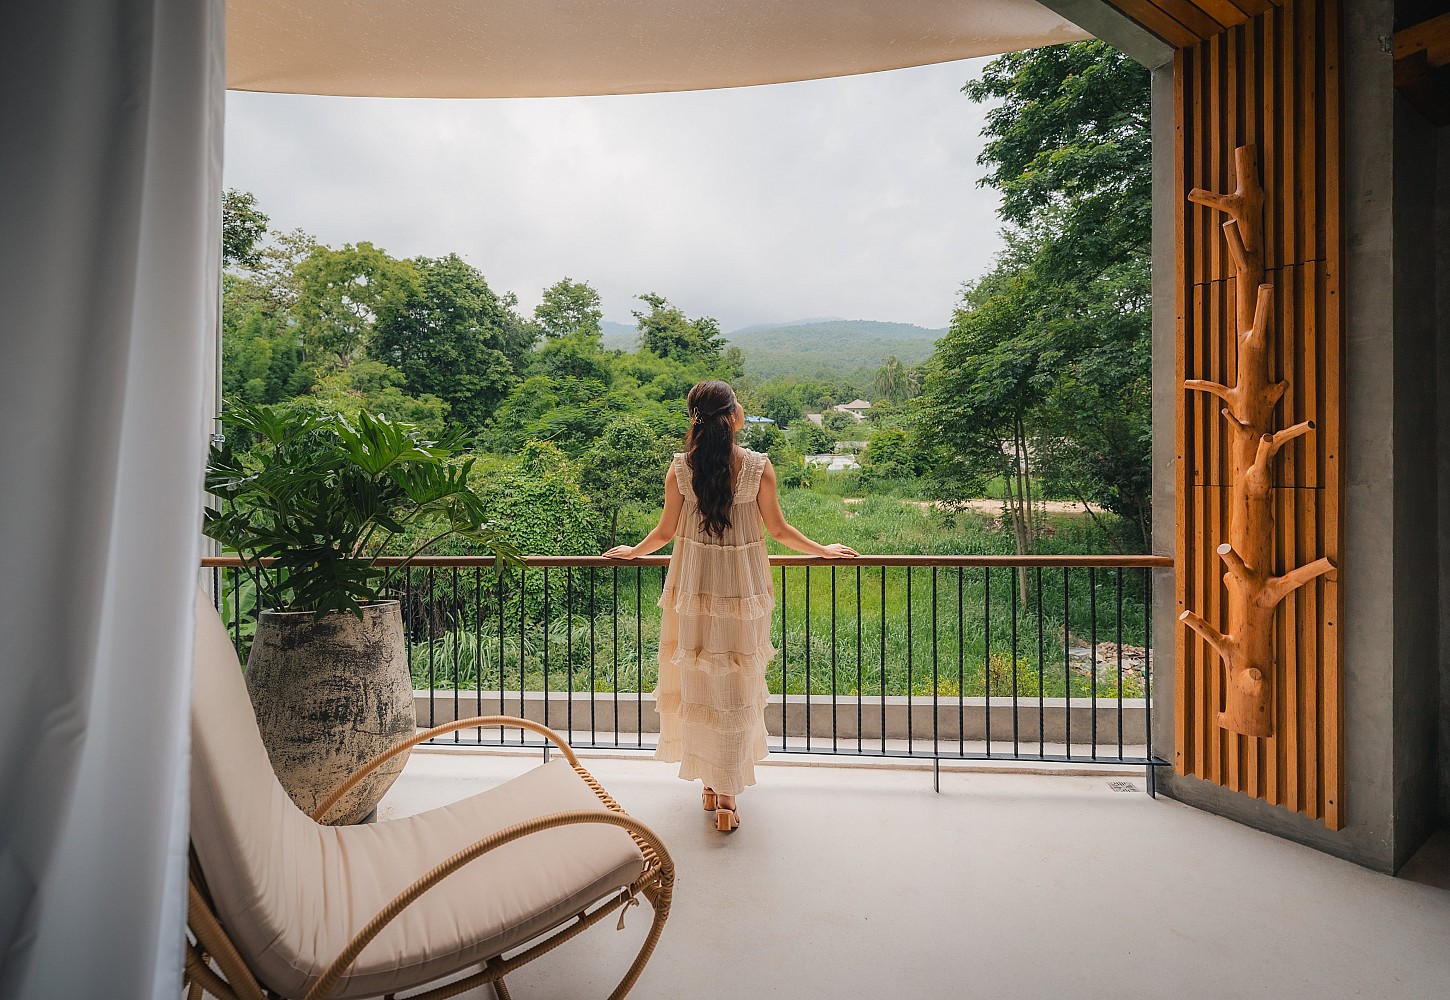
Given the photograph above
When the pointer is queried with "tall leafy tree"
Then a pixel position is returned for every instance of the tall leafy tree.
(341, 294)
(570, 309)
(665, 330)
(625, 465)
(453, 337)
(243, 227)
(1045, 369)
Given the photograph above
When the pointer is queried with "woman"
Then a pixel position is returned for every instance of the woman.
(717, 601)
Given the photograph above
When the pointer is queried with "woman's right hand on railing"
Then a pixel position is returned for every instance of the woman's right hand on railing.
(838, 551)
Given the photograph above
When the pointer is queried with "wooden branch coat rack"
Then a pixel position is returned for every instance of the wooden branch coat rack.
(1246, 646)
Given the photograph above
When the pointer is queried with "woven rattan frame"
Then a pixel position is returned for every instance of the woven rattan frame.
(214, 967)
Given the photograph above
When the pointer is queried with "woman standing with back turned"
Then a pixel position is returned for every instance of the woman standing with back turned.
(717, 601)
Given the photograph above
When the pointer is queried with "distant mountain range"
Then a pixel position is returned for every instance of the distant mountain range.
(814, 348)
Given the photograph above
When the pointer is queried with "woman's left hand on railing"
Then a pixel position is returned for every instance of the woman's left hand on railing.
(621, 552)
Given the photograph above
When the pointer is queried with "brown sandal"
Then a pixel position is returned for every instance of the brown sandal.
(726, 819)
(708, 799)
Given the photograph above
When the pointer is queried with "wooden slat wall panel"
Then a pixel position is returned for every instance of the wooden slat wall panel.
(1272, 80)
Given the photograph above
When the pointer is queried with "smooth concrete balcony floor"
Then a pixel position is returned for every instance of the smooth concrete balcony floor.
(847, 882)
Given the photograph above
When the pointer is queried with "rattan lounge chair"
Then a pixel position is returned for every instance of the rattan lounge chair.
(445, 901)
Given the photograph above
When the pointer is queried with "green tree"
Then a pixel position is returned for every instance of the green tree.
(569, 413)
(1045, 368)
(541, 505)
(378, 389)
(781, 402)
(892, 381)
(243, 226)
(809, 439)
(573, 356)
(984, 386)
(763, 437)
(570, 309)
(666, 331)
(791, 470)
(261, 357)
(837, 422)
(890, 454)
(625, 465)
(453, 337)
(340, 296)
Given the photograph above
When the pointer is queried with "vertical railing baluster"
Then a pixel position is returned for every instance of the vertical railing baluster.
(883, 661)
(547, 624)
(1152, 777)
(987, 654)
(502, 696)
(1093, 640)
(237, 605)
(457, 639)
(806, 615)
(1120, 659)
(569, 650)
(432, 679)
(1041, 673)
(935, 672)
(1017, 585)
(478, 647)
(1066, 656)
(614, 597)
(858, 659)
(593, 654)
(961, 672)
(784, 687)
(834, 727)
(910, 678)
(523, 631)
(638, 657)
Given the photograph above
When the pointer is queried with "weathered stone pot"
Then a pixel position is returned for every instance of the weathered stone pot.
(330, 693)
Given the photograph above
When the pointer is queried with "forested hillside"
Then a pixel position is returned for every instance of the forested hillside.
(847, 349)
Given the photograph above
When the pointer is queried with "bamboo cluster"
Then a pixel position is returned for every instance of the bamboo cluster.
(1246, 645)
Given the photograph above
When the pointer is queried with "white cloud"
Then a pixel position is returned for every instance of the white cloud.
(853, 197)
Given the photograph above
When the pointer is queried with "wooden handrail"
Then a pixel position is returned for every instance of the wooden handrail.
(538, 562)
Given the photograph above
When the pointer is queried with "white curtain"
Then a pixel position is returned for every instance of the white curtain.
(110, 176)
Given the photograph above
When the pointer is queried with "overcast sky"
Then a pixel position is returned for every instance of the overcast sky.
(854, 197)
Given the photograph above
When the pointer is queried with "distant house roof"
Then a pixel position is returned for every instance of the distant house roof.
(855, 404)
(758, 420)
(814, 418)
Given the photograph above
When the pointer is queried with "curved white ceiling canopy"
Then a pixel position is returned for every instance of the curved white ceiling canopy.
(560, 48)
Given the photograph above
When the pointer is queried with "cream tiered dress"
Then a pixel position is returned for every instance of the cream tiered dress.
(715, 639)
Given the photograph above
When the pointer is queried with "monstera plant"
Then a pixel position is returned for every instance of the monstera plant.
(312, 502)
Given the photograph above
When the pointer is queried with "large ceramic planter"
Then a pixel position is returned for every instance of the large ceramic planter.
(330, 693)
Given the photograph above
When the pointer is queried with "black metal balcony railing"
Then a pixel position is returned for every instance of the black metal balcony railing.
(1033, 658)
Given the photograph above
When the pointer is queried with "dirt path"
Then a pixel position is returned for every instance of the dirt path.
(992, 507)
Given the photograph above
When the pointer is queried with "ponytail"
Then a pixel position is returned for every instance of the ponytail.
(709, 446)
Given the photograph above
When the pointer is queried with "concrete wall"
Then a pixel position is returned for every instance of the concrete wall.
(1416, 503)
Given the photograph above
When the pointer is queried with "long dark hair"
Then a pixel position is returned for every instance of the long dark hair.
(708, 449)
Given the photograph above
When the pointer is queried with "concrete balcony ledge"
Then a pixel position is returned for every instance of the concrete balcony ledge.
(913, 719)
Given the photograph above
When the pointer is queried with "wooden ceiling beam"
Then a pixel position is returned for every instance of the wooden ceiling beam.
(1422, 67)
